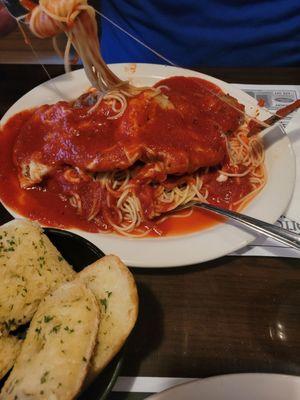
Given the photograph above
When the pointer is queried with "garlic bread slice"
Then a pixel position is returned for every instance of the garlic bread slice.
(10, 347)
(115, 290)
(55, 355)
(30, 268)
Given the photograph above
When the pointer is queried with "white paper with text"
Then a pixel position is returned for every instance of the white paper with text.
(276, 97)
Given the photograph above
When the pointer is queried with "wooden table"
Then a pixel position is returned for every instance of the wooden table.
(234, 314)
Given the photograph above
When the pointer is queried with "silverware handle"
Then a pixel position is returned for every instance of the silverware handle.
(273, 231)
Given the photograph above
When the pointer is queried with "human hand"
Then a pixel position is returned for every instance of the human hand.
(7, 22)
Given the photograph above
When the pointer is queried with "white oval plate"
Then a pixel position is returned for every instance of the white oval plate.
(236, 387)
(206, 244)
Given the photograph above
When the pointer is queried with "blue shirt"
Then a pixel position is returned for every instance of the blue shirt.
(204, 32)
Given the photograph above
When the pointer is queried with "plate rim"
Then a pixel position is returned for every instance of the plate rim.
(189, 258)
(221, 378)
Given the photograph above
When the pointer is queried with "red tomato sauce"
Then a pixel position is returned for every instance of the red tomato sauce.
(29, 131)
(50, 210)
(36, 203)
(28, 4)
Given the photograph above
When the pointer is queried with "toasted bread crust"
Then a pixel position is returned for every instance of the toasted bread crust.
(10, 347)
(30, 268)
(115, 289)
(55, 355)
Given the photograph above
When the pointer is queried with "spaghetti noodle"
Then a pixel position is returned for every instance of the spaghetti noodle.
(245, 162)
(77, 20)
(173, 144)
(122, 156)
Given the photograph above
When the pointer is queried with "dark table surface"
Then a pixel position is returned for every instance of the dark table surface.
(234, 314)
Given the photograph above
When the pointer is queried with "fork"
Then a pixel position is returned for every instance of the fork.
(275, 232)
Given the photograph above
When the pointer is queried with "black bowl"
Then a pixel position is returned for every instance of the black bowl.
(79, 252)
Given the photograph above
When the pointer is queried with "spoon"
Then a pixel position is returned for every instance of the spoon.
(275, 232)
